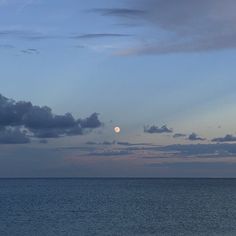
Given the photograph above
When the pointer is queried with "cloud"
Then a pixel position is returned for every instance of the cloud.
(157, 130)
(199, 149)
(90, 122)
(134, 144)
(76, 148)
(13, 136)
(110, 153)
(44, 124)
(32, 35)
(179, 135)
(194, 137)
(119, 143)
(169, 153)
(43, 141)
(91, 143)
(179, 26)
(103, 143)
(100, 35)
(41, 122)
(6, 46)
(119, 12)
(226, 138)
(109, 143)
(30, 51)
(24, 34)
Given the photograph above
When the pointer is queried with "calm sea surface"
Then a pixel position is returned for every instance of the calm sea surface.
(129, 207)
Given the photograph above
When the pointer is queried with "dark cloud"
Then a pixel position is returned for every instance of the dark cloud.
(179, 26)
(101, 35)
(179, 135)
(24, 34)
(31, 35)
(119, 12)
(30, 51)
(226, 138)
(13, 136)
(90, 122)
(194, 137)
(157, 130)
(41, 122)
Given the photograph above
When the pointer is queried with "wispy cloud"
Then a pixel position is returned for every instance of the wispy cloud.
(99, 35)
(30, 51)
(110, 153)
(25, 34)
(179, 135)
(119, 12)
(179, 26)
(134, 144)
(202, 150)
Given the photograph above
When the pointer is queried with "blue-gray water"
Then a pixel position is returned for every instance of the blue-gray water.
(129, 207)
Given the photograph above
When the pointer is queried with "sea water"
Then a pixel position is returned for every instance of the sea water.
(129, 207)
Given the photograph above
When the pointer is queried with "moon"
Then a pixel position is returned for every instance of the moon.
(117, 129)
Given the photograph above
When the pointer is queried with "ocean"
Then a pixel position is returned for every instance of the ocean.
(77, 206)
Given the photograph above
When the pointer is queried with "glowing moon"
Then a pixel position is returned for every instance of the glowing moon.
(117, 129)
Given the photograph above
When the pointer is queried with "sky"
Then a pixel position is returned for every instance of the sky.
(163, 71)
